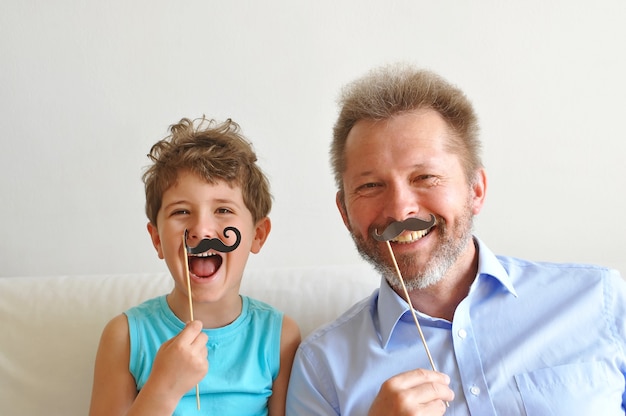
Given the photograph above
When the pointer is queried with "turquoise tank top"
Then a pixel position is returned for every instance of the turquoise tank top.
(244, 357)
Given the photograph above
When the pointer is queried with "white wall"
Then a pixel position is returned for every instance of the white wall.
(86, 87)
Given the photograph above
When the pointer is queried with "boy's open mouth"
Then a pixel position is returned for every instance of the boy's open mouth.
(204, 264)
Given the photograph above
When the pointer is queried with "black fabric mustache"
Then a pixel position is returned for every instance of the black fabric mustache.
(397, 227)
(214, 243)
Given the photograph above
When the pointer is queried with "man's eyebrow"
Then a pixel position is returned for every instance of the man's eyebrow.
(419, 165)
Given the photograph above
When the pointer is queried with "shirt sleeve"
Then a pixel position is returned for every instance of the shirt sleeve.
(617, 296)
(308, 393)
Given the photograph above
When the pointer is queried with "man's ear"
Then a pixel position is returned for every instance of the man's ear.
(479, 190)
(262, 230)
(341, 206)
(156, 239)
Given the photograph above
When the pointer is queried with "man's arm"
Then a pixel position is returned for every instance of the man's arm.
(416, 392)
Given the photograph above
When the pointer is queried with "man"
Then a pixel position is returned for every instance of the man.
(507, 336)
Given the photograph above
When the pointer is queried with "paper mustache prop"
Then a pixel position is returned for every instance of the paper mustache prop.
(202, 247)
(214, 243)
(397, 227)
(392, 231)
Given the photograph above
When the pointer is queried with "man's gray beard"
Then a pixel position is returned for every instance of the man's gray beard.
(445, 256)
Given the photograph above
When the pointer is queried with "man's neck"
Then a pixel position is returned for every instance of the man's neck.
(442, 299)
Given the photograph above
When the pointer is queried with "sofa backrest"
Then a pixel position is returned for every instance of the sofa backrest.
(50, 326)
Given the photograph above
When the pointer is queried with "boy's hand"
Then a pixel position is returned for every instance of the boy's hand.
(417, 392)
(181, 362)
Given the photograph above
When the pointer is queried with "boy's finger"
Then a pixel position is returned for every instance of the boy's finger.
(190, 332)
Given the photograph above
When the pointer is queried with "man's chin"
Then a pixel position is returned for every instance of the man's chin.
(415, 275)
(420, 282)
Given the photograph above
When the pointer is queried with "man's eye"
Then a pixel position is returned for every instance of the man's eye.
(368, 185)
(368, 189)
(426, 178)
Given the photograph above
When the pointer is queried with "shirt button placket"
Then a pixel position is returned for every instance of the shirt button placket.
(470, 364)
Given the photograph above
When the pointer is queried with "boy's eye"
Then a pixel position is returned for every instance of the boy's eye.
(223, 211)
(180, 212)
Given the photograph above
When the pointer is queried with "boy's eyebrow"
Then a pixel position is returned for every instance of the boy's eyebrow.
(182, 201)
(225, 201)
(216, 200)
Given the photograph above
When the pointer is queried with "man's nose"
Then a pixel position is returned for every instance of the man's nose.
(400, 202)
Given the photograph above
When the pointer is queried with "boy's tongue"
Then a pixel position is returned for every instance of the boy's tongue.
(204, 266)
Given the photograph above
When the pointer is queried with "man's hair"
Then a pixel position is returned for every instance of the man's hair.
(396, 89)
(215, 152)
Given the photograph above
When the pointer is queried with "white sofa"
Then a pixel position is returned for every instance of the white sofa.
(50, 326)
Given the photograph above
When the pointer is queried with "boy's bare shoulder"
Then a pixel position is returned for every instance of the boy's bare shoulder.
(116, 331)
(290, 332)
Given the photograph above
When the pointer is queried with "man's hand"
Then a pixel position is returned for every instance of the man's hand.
(416, 392)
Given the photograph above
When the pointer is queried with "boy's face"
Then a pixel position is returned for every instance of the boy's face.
(205, 210)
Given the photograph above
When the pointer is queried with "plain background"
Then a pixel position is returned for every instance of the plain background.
(86, 87)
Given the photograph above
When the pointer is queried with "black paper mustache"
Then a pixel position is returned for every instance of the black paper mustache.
(397, 227)
(214, 243)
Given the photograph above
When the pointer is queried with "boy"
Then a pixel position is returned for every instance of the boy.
(203, 182)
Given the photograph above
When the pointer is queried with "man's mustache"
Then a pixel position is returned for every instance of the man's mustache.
(214, 243)
(397, 227)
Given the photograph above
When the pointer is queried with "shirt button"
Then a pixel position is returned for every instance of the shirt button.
(462, 333)
(475, 390)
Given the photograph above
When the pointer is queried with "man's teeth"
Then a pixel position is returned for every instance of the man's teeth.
(205, 254)
(410, 236)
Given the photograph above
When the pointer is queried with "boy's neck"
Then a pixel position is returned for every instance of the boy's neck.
(212, 314)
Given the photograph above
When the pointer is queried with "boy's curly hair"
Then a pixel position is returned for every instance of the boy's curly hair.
(214, 151)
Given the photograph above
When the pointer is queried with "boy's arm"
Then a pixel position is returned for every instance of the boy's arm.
(179, 364)
(114, 388)
(289, 340)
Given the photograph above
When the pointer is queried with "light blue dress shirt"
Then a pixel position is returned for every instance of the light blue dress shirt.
(529, 339)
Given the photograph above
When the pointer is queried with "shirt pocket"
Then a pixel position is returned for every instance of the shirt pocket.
(586, 388)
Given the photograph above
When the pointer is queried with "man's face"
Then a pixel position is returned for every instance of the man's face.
(400, 168)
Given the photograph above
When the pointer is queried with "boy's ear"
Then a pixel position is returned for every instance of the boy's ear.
(156, 239)
(262, 230)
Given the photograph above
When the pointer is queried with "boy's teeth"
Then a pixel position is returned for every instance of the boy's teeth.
(205, 254)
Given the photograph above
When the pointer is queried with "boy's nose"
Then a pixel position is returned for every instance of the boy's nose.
(200, 230)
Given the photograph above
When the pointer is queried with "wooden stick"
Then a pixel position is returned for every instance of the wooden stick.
(408, 300)
(186, 262)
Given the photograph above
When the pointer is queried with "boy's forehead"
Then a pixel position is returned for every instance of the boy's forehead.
(194, 183)
(190, 187)
(188, 176)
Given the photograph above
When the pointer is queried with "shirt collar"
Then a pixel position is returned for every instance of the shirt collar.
(391, 307)
(489, 265)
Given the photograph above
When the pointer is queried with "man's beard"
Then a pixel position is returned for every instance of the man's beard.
(453, 241)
